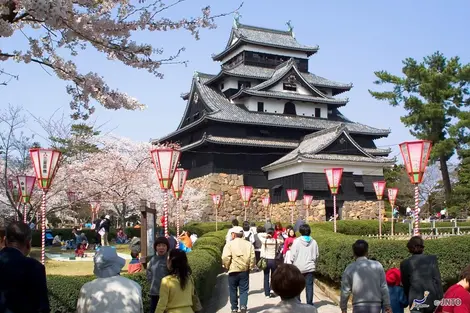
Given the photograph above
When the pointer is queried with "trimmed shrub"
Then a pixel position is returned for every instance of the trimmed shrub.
(336, 252)
(205, 262)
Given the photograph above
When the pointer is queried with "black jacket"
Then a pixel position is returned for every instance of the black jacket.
(106, 224)
(420, 273)
(23, 285)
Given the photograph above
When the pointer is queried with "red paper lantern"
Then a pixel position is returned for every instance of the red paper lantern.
(245, 193)
(179, 181)
(292, 194)
(26, 187)
(266, 201)
(45, 163)
(379, 187)
(217, 199)
(392, 196)
(165, 160)
(416, 156)
(308, 200)
(333, 176)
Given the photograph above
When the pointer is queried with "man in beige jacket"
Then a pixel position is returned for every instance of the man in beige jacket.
(238, 258)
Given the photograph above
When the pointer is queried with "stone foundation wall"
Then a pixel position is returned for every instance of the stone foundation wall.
(232, 206)
(361, 210)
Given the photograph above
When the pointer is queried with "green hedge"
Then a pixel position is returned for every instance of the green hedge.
(205, 262)
(336, 250)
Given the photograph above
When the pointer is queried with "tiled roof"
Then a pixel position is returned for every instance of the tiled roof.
(224, 110)
(290, 96)
(280, 72)
(258, 142)
(248, 71)
(264, 37)
(313, 144)
(377, 151)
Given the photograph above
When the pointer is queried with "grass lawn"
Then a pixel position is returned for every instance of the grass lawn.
(72, 268)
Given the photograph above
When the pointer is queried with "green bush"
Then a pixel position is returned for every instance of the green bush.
(336, 251)
(205, 262)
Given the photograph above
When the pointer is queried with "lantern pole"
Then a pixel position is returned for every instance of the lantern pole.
(179, 181)
(292, 195)
(216, 199)
(392, 196)
(245, 193)
(379, 187)
(165, 159)
(333, 177)
(46, 163)
(416, 156)
(307, 202)
(266, 203)
(25, 188)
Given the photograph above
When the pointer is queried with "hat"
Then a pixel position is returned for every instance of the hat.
(107, 217)
(107, 262)
(237, 229)
(393, 277)
(163, 240)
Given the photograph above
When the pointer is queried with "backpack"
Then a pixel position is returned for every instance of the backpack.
(247, 238)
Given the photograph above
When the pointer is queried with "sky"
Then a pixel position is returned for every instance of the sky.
(356, 38)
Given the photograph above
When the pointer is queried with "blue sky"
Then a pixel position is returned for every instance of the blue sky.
(356, 38)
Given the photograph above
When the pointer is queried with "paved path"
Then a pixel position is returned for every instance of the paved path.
(257, 302)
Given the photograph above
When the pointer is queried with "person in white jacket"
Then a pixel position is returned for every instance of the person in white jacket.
(110, 292)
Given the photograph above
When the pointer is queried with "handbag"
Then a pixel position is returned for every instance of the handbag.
(279, 257)
(263, 263)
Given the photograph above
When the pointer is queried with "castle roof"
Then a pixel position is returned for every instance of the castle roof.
(221, 109)
(248, 71)
(246, 34)
(284, 69)
(313, 145)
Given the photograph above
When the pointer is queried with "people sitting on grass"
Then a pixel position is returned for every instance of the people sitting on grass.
(74, 241)
(121, 237)
(110, 292)
(288, 282)
(134, 265)
(80, 251)
(57, 241)
(157, 269)
(177, 291)
(84, 240)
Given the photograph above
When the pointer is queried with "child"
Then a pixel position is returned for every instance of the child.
(134, 264)
(80, 251)
(157, 269)
(288, 256)
(398, 300)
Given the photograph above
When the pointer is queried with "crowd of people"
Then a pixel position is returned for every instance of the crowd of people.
(288, 263)
(283, 256)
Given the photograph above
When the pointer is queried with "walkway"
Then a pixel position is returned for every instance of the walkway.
(257, 302)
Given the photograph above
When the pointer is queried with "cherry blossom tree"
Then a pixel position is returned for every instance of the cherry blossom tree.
(56, 31)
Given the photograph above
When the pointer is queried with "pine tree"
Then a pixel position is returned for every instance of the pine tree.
(433, 93)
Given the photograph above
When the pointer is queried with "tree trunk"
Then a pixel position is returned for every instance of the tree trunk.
(445, 177)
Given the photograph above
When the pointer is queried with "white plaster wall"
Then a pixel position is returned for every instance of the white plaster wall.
(276, 51)
(357, 168)
(277, 106)
(232, 82)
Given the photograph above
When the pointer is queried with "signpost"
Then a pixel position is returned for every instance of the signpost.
(147, 231)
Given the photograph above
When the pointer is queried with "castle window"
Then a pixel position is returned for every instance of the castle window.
(260, 106)
(290, 84)
(317, 112)
(221, 86)
(289, 108)
(244, 84)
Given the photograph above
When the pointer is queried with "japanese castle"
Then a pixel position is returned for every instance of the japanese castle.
(266, 117)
